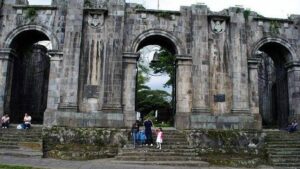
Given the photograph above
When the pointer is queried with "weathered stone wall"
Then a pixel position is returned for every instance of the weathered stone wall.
(82, 143)
(92, 66)
(230, 147)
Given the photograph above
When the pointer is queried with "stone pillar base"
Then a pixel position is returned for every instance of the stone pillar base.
(68, 107)
(182, 120)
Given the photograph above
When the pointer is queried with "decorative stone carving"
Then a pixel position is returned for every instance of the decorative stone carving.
(95, 20)
(218, 26)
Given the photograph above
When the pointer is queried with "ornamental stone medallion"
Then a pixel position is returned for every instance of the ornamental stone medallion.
(218, 26)
(96, 20)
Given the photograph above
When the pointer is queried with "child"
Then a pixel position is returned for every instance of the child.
(159, 138)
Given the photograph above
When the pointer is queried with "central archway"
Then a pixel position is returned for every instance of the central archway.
(169, 44)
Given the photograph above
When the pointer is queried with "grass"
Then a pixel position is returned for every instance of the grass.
(2, 166)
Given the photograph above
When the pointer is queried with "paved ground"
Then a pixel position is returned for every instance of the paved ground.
(91, 164)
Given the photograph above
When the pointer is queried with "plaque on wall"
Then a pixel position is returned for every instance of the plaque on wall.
(91, 91)
(219, 98)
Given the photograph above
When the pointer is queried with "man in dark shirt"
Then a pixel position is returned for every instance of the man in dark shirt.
(148, 132)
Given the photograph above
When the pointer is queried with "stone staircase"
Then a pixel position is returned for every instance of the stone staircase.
(283, 148)
(175, 151)
(21, 143)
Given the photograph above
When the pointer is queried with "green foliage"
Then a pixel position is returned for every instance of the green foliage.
(31, 13)
(139, 7)
(151, 100)
(274, 27)
(247, 13)
(87, 3)
(165, 64)
(165, 15)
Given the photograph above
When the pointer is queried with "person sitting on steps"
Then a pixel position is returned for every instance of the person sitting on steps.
(5, 121)
(27, 121)
(293, 126)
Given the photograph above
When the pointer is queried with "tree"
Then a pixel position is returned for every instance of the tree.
(165, 64)
(148, 100)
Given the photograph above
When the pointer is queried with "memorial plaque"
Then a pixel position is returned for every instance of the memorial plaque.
(91, 91)
(219, 98)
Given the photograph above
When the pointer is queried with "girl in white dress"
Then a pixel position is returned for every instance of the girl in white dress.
(159, 138)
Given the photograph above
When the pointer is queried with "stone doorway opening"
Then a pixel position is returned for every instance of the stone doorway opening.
(156, 81)
(29, 76)
(273, 85)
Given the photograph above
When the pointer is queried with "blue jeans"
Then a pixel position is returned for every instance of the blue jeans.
(134, 137)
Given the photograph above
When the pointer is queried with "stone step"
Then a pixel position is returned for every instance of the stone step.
(9, 147)
(4, 139)
(283, 146)
(142, 149)
(284, 141)
(285, 153)
(284, 156)
(290, 164)
(169, 163)
(285, 160)
(157, 153)
(20, 153)
(158, 158)
(165, 146)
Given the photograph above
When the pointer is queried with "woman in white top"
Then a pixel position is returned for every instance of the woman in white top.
(27, 121)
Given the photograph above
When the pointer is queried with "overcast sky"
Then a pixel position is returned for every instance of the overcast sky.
(267, 8)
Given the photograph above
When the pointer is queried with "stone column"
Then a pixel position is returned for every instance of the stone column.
(253, 91)
(54, 80)
(184, 92)
(6, 72)
(72, 50)
(238, 52)
(129, 87)
(293, 73)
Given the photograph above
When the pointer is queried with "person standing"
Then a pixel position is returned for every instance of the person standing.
(159, 138)
(27, 121)
(5, 121)
(148, 131)
(134, 133)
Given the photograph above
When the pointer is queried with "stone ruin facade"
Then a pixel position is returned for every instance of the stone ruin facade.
(235, 69)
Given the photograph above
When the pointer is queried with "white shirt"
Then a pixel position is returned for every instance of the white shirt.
(27, 119)
(4, 119)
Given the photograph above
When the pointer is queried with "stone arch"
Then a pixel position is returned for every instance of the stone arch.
(30, 67)
(273, 79)
(283, 42)
(179, 50)
(11, 36)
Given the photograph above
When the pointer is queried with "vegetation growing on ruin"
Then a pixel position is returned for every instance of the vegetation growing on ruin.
(31, 13)
(139, 7)
(274, 27)
(164, 14)
(87, 3)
